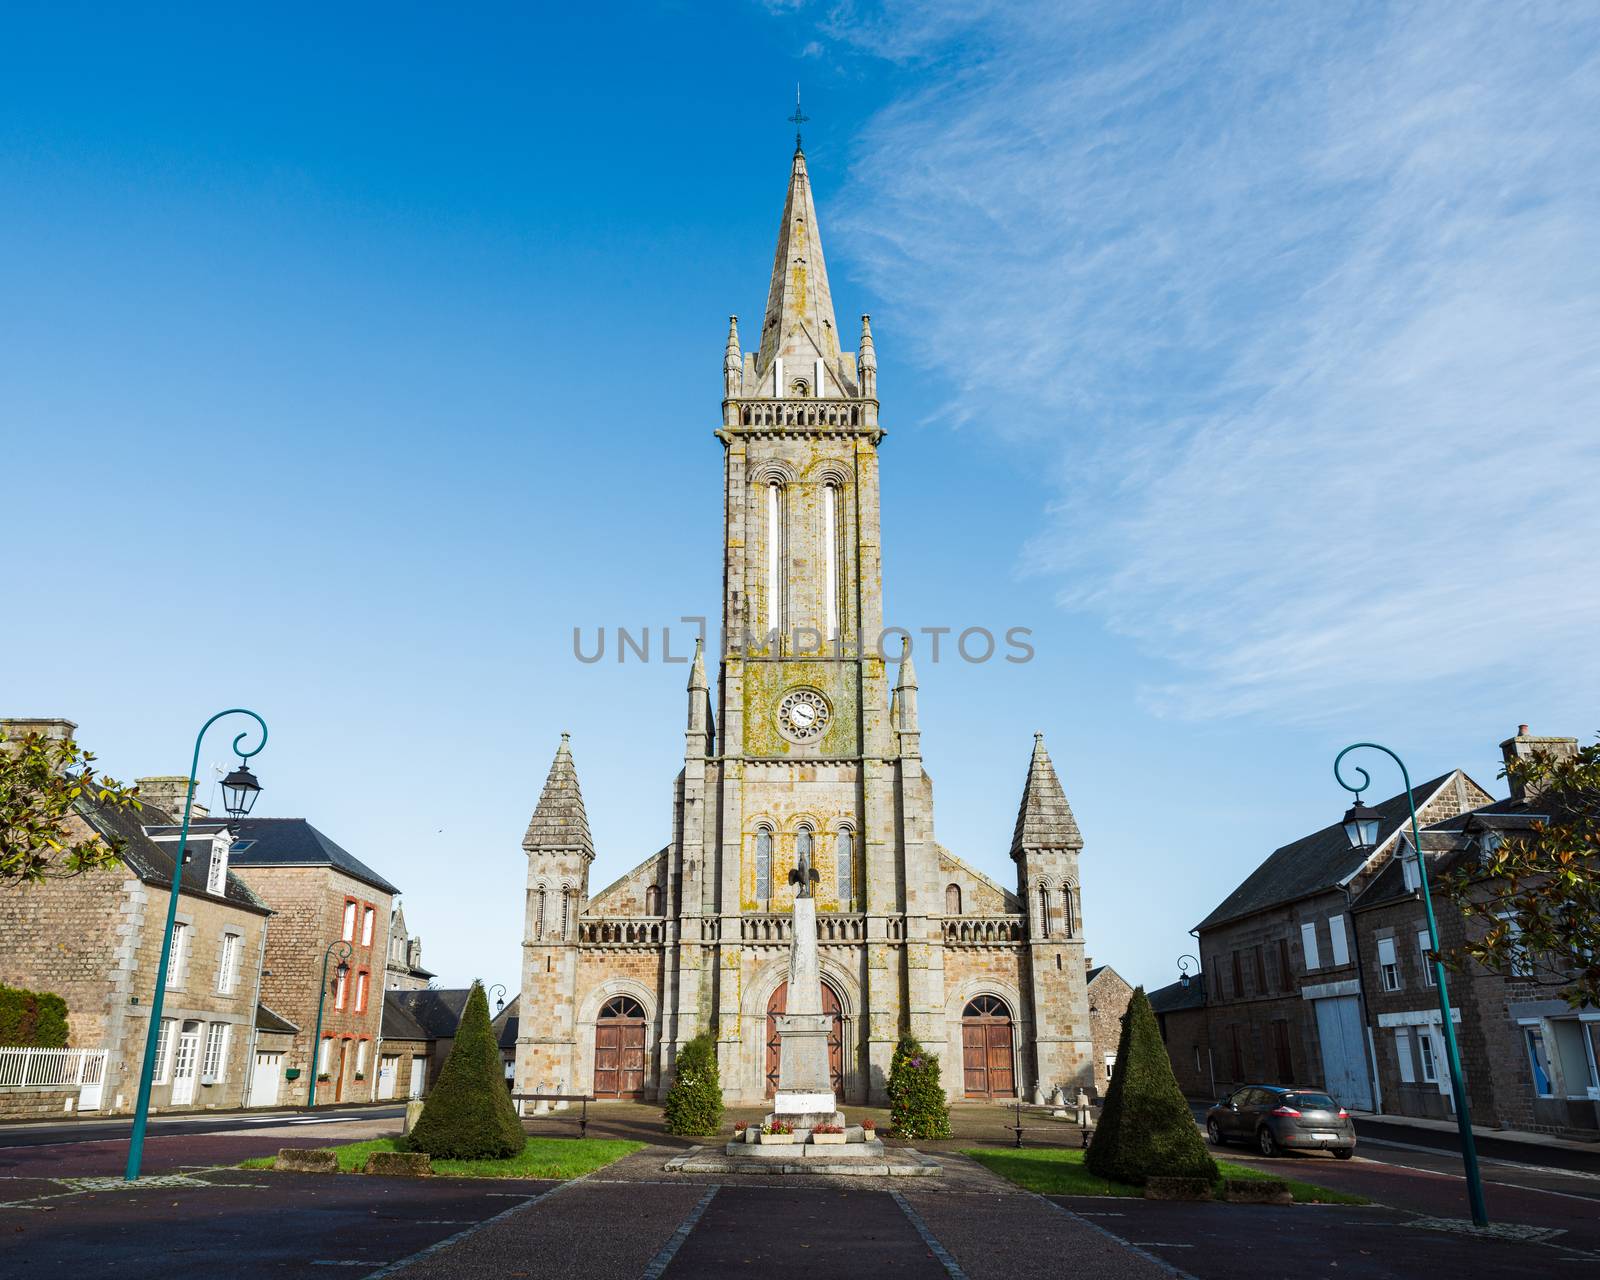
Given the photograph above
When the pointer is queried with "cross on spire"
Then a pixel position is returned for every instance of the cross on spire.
(798, 118)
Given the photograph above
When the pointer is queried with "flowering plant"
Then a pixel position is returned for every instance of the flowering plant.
(740, 1127)
(777, 1126)
(869, 1124)
(827, 1128)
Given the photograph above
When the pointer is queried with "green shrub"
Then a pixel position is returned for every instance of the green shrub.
(33, 1019)
(694, 1103)
(917, 1104)
(469, 1114)
(1146, 1128)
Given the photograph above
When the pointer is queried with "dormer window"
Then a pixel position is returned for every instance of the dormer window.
(217, 874)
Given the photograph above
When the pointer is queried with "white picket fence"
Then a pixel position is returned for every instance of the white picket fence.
(80, 1069)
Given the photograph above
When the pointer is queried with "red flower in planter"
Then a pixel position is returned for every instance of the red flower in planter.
(740, 1127)
(869, 1125)
(827, 1128)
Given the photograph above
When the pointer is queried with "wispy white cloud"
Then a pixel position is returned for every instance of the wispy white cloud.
(1302, 305)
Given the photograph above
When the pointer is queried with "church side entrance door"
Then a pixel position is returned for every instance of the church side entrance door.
(986, 1049)
(619, 1049)
(834, 1008)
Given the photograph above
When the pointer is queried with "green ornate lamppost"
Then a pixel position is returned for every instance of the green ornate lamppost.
(239, 792)
(1361, 829)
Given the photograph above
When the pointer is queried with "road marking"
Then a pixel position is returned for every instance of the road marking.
(928, 1238)
(1491, 1182)
(1160, 1244)
(1154, 1260)
(1499, 1161)
(668, 1251)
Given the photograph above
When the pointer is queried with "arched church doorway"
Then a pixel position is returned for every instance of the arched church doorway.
(831, 1005)
(619, 1049)
(986, 1049)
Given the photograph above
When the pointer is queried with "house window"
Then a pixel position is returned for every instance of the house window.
(349, 920)
(324, 1052)
(339, 982)
(1308, 943)
(178, 960)
(1261, 971)
(228, 964)
(1430, 1068)
(1238, 977)
(1388, 965)
(1409, 872)
(1533, 1037)
(847, 869)
(367, 917)
(361, 1057)
(216, 1059)
(1402, 1055)
(361, 991)
(1425, 950)
(217, 875)
(164, 1050)
(1521, 960)
(763, 863)
(1340, 940)
(1285, 970)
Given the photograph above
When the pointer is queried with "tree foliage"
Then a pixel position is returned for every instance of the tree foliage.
(40, 781)
(1146, 1129)
(469, 1114)
(917, 1103)
(1532, 904)
(32, 1019)
(694, 1103)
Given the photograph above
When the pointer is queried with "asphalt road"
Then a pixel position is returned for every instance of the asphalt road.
(70, 1131)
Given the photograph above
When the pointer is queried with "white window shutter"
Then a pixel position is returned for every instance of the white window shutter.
(1385, 950)
(1340, 940)
(1308, 940)
(1402, 1053)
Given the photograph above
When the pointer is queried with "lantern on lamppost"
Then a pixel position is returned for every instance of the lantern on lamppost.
(1184, 976)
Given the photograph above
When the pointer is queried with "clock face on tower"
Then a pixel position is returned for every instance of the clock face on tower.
(802, 715)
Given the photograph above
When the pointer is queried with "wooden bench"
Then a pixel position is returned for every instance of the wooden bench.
(582, 1117)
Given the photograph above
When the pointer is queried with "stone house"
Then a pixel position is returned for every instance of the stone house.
(1182, 1018)
(321, 895)
(1109, 995)
(95, 940)
(806, 749)
(405, 1053)
(1284, 986)
(1529, 1059)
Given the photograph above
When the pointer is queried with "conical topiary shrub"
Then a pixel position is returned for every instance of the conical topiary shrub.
(694, 1103)
(469, 1114)
(917, 1105)
(1146, 1129)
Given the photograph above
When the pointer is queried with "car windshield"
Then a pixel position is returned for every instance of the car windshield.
(1311, 1101)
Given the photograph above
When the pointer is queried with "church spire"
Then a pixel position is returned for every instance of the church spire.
(798, 329)
(1045, 819)
(559, 821)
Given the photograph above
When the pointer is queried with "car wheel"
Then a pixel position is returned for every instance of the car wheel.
(1214, 1132)
(1343, 1153)
(1269, 1144)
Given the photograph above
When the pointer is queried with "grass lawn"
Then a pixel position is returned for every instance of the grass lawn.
(1055, 1171)
(561, 1158)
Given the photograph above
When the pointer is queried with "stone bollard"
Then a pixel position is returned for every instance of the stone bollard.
(400, 1164)
(1257, 1191)
(413, 1114)
(305, 1160)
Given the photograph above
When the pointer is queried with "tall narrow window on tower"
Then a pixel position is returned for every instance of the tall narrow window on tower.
(830, 541)
(1044, 910)
(763, 864)
(846, 867)
(775, 550)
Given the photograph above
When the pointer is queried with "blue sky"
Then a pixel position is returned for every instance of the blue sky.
(350, 358)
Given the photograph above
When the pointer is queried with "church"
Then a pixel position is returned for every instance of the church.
(806, 749)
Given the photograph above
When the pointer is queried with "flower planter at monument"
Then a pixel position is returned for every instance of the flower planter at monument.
(777, 1139)
(827, 1139)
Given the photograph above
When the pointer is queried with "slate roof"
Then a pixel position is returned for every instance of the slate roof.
(437, 1013)
(398, 1022)
(507, 1023)
(294, 842)
(270, 1020)
(1315, 862)
(1094, 973)
(152, 861)
(1175, 996)
(1446, 844)
(559, 820)
(1044, 820)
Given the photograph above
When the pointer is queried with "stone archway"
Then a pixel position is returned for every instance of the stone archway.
(831, 1005)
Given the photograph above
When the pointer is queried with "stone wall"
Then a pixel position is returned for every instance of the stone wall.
(1187, 1037)
(1108, 1003)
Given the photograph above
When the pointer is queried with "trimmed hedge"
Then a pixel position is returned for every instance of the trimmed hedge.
(917, 1103)
(33, 1019)
(469, 1114)
(694, 1103)
(1146, 1128)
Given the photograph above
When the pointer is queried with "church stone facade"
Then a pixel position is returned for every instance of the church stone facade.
(808, 741)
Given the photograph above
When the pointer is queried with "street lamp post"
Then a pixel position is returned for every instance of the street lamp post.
(239, 792)
(1184, 976)
(1361, 829)
(500, 1001)
(341, 973)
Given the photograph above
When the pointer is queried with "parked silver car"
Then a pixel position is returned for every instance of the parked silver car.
(1276, 1118)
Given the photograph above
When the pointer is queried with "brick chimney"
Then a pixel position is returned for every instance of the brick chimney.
(1524, 746)
(166, 792)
